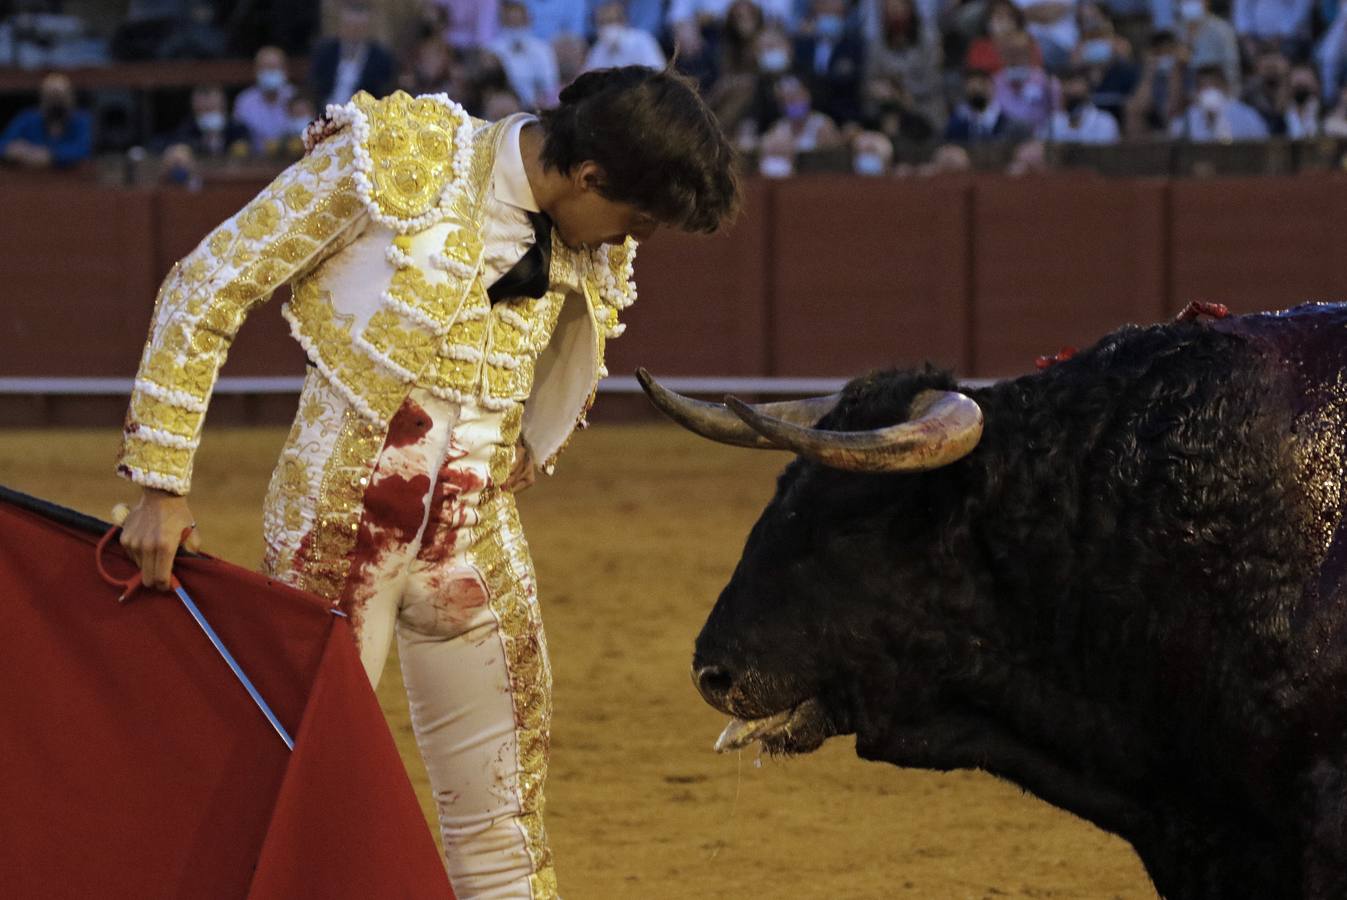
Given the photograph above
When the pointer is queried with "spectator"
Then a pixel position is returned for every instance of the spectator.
(752, 54)
(1106, 60)
(53, 134)
(1029, 158)
(948, 159)
(300, 114)
(209, 132)
(1024, 91)
(264, 108)
(744, 21)
(871, 154)
(1215, 115)
(570, 50)
(1303, 111)
(197, 37)
(830, 59)
(807, 128)
(499, 103)
(1158, 97)
(466, 24)
(1332, 53)
(1211, 40)
(530, 63)
(890, 110)
(906, 52)
(692, 22)
(776, 156)
(351, 61)
(980, 118)
(1002, 20)
(1282, 23)
(178, 168)
(1335, 123)
(618, 43)
(1052, 23)
(550, 19)
(1269, 89)
(430, 70)
(1079, 121)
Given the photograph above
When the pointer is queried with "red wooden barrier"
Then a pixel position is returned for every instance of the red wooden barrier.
(868, 273)
(1060, 262)
(78, 278)
(829, 275)
(1257, 243)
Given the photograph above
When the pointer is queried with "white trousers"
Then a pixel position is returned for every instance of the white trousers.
(441, 563)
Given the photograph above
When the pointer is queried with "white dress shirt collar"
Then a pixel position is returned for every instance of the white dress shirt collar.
(509, 181)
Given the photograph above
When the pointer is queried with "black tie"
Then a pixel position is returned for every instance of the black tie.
(530, 276)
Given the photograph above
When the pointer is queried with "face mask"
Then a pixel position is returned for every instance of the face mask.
(1211, 99)
(1302, 95)
(211, 121)
(1191, 10)
(774, 60)
(776, 167)
(55, 112)
(1096, 52)
(978, 102)
(797, 109)
(271, 79)
(1164, 64)
(1018, 74)
(513, 34)
(1075, 103)
(610, 33)
(868, 164)
(829, 27)
(179, 175)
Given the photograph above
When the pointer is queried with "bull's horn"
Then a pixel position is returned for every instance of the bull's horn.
(944, 426)
(714, 421)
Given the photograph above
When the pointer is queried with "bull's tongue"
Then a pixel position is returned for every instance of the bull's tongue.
(740, 733)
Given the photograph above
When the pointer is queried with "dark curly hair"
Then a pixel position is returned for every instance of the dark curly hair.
(660, 148)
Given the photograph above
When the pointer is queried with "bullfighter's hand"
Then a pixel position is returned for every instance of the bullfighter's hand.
(524, 472)
(153, 531)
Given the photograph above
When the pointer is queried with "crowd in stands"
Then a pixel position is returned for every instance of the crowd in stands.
(906, 86)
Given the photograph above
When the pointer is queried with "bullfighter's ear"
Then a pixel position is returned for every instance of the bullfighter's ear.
(944, 426)
(716, 422)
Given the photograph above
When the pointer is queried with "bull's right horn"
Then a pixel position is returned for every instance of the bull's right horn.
(715, 421)
(944, 427)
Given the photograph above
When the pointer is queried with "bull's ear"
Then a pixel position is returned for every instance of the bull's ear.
(716, 422)
(943, 426)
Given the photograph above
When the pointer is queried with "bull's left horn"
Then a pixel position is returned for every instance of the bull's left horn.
(714, 421)
(944, 426)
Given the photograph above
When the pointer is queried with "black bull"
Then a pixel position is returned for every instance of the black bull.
(1128, 598)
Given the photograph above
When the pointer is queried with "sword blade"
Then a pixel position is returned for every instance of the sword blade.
(234, 666)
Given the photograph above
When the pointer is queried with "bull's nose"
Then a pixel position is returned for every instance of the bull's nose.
(714, 682)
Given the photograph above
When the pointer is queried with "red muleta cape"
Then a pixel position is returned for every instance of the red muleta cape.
(133, 763)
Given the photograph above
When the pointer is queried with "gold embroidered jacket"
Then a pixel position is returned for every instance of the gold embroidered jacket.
(378, 231)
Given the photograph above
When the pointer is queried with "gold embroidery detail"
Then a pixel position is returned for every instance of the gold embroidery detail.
(327, 336)
(220, 242)
(324, 561)
(499, 553)
(411, 143)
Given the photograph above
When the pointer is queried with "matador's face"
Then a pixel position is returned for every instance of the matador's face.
(586, 218)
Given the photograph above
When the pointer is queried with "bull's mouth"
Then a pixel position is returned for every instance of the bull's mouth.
(801, 728)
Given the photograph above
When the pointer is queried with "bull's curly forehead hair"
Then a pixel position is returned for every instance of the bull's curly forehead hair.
(660, 147)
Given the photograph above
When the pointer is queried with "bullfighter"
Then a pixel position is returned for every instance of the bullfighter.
(453, 285)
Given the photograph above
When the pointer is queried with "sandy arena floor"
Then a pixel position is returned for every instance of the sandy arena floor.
(633, 539)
